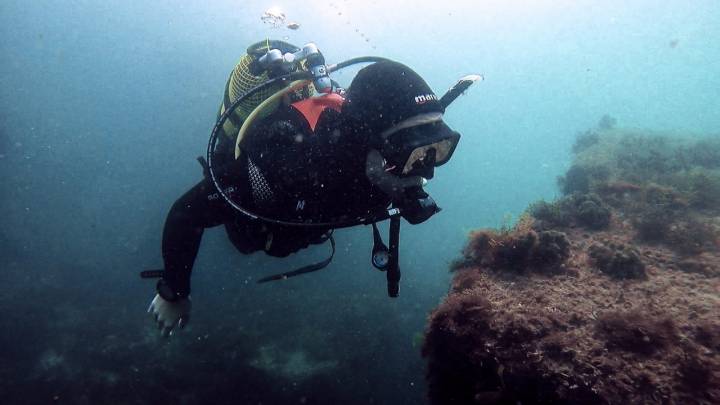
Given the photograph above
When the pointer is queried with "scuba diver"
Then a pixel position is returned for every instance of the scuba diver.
(293, 156)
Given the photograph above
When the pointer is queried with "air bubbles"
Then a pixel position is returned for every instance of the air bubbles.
(276, 18)
(273, 16)
(336, 9)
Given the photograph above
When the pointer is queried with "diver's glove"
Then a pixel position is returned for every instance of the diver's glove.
(170, 314)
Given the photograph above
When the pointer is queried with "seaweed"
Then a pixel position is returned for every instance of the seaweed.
(607, 122)
(456, 329)
(592, 212)
(696, 373)
(519, 250)
(587, 210)
(514, 251)
(580, 178)
(646, 158)
(669, 198)
(556, 346)
(459, 264)
(704, 190)
(584, 140)
(636, 332)
(704, 153)
(552, 249)
(691, 236)
(617, 260)
(653, 225)
(550, 214)
(617, 188)
(708, 335)
(521, 329)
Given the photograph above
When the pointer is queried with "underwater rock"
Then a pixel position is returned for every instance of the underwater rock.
(642, 329)
(504, 337)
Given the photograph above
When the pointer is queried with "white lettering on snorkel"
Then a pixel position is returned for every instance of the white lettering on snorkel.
(424, 98)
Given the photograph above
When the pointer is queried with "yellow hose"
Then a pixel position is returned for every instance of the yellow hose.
(259, 109)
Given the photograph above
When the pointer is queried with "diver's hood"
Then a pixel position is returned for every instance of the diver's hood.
(383, 95)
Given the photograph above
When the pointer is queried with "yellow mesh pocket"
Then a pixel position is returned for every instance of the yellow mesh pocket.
(241, 80)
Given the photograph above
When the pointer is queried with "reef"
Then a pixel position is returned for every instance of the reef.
(609, 294)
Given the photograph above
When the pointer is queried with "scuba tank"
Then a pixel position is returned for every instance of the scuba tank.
(253, 69)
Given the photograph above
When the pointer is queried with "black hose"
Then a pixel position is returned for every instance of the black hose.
(353, 61)
(393, 268)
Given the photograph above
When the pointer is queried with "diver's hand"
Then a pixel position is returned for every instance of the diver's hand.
(170, 314)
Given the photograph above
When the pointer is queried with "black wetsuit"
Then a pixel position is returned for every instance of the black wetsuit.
(286, 171)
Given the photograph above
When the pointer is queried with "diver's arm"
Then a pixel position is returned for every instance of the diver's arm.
(197, 209)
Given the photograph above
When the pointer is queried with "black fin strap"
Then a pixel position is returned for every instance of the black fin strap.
(302, 270)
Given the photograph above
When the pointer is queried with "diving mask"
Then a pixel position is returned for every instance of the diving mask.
(419, 144)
